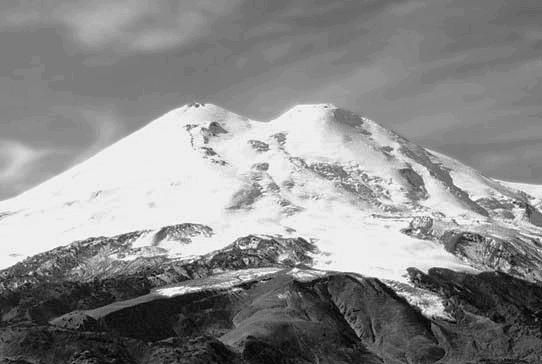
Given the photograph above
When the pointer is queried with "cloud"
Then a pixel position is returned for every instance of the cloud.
(440, 72)
(107, 126)
(82, 131)
(121, 25)
(103, 126)
(516, 163)
(277, 51)
(364, 80)
(16, 160)
(407, 7)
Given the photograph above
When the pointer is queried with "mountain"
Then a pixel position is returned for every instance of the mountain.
(286, 206)
(316, 171)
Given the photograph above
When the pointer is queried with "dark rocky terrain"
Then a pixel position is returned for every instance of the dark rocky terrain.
(255, 301)
(518, 255)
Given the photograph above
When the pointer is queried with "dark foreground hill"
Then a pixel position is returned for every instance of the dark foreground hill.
(246, 305)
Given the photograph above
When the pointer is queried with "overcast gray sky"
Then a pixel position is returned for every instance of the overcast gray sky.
(460, 76)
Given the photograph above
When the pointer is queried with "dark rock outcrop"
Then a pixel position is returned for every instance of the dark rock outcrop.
(482, 251)
(295, 316)
(420, 227)
(182, 232)
(504, 208)
(347, 117)
(439, 172)
(30, 293)
(338, 174)
(246, 196)
(533, 215)
(76, 320)
(518, 255)
(415, 183)
(258, 145)
(262, 167)
(383, 321)
(51, 345)
(497, 317)
(57, 264)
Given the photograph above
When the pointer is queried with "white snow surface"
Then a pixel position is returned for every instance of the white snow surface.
(535, 191)
(323, 174)
(222, 281)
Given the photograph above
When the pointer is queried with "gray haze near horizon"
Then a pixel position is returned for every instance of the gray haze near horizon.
(463, 77)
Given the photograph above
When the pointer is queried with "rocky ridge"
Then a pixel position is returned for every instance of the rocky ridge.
(294, 316)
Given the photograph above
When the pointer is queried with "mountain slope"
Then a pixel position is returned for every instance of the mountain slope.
(206, 237)
(256, 316)
(317, 171)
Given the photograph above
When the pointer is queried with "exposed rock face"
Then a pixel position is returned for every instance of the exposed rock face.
(533, 215)
(30, 292)
(280, 138)
(494, 253)
(268, 321)
(505, 208)
(4, 214)
(420, 227)
(351, 179)
(99, 257)
(262, 167)
(76, 320)
(516, 254)
(437, 171)
(495, 204)
(262, 251)
(200, 135)
(497, 316)
(245, 197)
(415, 182)
(348, 181)
(68, 261)
(182, 232)
(258, 145)
(46, 344)
(383, 321)
(295, 316)
(348, 117)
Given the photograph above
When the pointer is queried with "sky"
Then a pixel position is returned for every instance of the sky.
(463, 77)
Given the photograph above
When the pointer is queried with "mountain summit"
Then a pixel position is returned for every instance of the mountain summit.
(316, 171)
(316, 237)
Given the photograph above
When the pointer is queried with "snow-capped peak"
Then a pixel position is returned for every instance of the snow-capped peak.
(205, 112)
(316, 171)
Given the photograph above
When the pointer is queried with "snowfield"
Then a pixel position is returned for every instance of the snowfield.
(317, 171)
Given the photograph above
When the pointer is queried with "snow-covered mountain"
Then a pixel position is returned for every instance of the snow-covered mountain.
(371, 201)
(206, 237)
